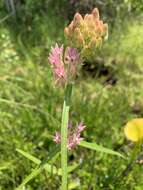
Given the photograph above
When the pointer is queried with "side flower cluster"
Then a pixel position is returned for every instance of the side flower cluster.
(64, 63)
(86, 33)
(74, 136)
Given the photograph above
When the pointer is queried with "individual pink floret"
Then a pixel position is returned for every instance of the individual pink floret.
(57, 138)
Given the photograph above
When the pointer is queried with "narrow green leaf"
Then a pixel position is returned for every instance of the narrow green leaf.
(29, 156)
(94, 146)
(38, 170)
(5, 165)
(73, 185)
(64, 152)
(72, 168)
(42, 165)
(45, 165)
(32, 175)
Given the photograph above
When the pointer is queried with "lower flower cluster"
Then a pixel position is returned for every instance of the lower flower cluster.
(74, 136)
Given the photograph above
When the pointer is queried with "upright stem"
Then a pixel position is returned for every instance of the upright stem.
(64, 136)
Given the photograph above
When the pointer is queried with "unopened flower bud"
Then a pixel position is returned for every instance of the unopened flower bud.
(105, 27)
(84, 30)
(93, 42)
(88, 17)
(71, 26)
(78, 17)
(95, 13)
(66, 31)
(80, 39)
(99, 42)
(77, 32)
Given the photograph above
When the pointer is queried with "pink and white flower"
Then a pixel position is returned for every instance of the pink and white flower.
(64, 65)
(74, 136)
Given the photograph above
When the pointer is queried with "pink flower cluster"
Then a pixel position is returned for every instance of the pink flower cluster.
(64, 64)
(74, 136)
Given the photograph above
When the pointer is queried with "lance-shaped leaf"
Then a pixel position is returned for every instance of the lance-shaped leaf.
(96, 147)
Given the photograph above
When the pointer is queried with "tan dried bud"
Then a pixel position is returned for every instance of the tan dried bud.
(98, 41)
(88, 18)
(101, 27)
(92, 44)
(77, 31)
(66, 31)
(80, 39)
(97, 23)
(95, 13)
(71, 26)
(78, 17)
(93, 41)
(106, 28)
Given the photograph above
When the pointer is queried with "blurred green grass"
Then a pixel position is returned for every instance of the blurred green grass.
(30, 105)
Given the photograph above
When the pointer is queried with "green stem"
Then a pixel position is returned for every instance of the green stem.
(64, 136)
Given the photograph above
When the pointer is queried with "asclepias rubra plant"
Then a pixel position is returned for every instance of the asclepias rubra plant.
(84, 35)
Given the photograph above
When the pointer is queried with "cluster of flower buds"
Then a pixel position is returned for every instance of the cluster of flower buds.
(86, 33)
(74, 136)
(64, 63)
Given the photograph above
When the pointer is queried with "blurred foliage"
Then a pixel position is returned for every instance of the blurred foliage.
(112, 11)
(30, 106)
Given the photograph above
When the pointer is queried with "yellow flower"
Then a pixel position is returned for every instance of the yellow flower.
(134, 130)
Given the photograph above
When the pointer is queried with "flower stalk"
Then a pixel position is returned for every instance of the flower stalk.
(64, 136)
(84, 35)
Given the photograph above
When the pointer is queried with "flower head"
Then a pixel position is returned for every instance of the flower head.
(64, 65)
(86, 33)
(134, 130)
(55, 59)
(74, 136)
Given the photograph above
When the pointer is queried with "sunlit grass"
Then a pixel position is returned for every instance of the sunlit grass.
(30, 109)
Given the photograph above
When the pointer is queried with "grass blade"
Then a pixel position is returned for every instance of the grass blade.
(5, 165)
(94, 146)
(42, 165)
(32, 175)
(64, 136)
(29, 156)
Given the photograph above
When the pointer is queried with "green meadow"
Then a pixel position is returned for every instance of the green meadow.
(108, 93)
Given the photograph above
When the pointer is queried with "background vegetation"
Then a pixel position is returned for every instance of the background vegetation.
(109, 92)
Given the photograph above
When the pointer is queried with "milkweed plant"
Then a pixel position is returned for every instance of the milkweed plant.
(83, 36)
